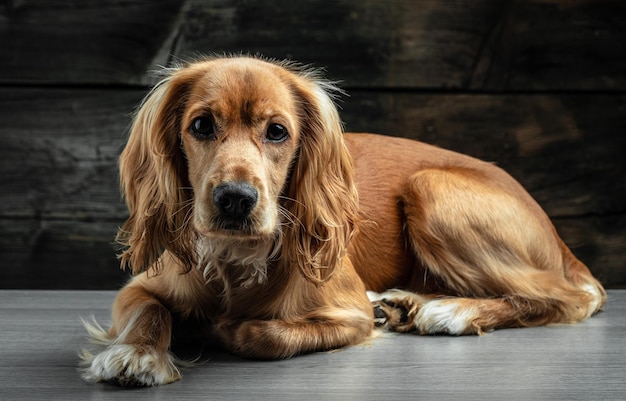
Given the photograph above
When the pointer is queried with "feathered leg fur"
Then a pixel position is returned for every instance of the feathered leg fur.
(136, 347)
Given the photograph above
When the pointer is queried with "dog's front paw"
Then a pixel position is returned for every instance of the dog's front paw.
(127, 365)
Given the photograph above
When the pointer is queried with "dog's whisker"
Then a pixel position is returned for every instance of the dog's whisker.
(289, 216)
(185, 206)
(287, 198)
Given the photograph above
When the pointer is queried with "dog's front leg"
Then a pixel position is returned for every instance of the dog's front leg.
(279, 339)
(137, 345)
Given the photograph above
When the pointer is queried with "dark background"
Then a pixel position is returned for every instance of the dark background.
(538, 86)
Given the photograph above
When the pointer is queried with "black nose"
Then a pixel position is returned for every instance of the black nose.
(235, 200)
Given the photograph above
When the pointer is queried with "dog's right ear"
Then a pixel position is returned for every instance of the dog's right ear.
(153, 177)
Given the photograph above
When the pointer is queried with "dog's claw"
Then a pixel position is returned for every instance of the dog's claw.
(379, 313)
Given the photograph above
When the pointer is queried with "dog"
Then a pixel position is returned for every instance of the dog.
(252, 214)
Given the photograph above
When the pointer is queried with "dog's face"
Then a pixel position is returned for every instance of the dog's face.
(239, 133)
(235, 149)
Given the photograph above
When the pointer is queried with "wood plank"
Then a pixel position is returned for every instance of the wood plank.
(60, 206)
(59, 151)
(59, 254)
(555, 45)
(91, 41)
(406, 43)
(453, 45)
(42, 333)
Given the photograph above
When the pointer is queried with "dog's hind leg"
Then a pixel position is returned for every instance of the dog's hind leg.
(496, 253)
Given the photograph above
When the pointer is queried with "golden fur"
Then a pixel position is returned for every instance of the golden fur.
(312, 219)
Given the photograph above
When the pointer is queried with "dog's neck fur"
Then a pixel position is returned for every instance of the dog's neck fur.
(236, 262)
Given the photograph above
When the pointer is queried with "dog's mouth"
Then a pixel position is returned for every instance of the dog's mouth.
(241, 229)
(235, 225)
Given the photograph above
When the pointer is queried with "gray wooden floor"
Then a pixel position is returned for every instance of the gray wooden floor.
(40, 333)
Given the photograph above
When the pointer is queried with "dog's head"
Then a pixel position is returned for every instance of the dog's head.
(236, 149)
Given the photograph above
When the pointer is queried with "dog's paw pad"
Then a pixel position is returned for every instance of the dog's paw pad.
(392, 316)
(380, 317)
(396, 309)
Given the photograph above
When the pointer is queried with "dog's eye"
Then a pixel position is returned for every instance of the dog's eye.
(203, 128)
(276, 133)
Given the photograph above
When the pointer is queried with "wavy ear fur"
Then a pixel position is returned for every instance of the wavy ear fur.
(322, 196)
(153, 177)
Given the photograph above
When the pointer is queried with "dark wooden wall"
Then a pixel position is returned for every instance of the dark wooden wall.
(538, 86)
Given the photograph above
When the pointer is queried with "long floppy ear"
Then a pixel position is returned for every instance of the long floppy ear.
(322, 196)
(153, 177)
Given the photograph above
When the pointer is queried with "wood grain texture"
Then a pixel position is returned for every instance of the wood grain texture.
(41, 335)
(554, 45)
(458, 44)
(61, 206)
(93, 41)
(59, 151)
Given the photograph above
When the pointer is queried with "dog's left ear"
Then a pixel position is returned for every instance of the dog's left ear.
(322, 196)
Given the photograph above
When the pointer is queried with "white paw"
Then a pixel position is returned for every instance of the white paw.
(126, 365)
(445, 316)
(596, 301)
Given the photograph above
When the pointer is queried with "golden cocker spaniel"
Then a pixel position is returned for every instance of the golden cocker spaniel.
(255, 216)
